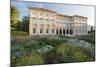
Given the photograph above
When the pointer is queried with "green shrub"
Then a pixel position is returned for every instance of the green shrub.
(89, 38)
(19, 33)
(52, 57)
(61, 50)
(53, 42)
(71, 53)
(32, 59)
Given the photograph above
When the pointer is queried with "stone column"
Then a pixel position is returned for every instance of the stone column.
(62, 31)
(65, 32)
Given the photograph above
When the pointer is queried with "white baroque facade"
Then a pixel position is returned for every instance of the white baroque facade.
(48, 22)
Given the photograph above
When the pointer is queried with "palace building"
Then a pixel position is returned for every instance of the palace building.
(47, 22)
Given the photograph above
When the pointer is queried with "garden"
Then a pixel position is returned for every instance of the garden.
(33, 50)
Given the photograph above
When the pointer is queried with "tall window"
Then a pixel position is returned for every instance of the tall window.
(34, 30)
(41, 20)
(34, 20)
(47, 31)
(63, 31)
(60, 31)
(47, 15)
(41, 30)
(47, 20)
(41, 14)
(80, 31)
(67, 31)
(71, 31)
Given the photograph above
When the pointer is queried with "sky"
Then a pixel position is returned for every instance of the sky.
(66, 9)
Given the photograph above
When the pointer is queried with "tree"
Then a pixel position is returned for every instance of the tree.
(14, 17)
(25, 23)
(19, 25)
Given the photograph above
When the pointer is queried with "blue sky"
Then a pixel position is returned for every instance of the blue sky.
(67, 9)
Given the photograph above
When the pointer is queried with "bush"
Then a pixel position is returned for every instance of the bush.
(89, 38)
(19, 33)
(52, 41)
(32, 59)
(71, 53)
(52, 57)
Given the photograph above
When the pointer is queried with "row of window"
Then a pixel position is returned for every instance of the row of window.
(80, 19)
(35, 14)
(82, 25)
(61, 31)
(67, 19)
(47, 31)
(41, 30)
(35, 20)
(77, 21)
(43, 14)
(41, 20)
(51, 20)
(48, 21)
(81, 31)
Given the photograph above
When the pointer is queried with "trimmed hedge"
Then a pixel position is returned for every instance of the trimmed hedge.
(19, 33)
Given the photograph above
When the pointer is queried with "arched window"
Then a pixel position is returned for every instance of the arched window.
(71, 31)
(41, 30)
(47, 30)
(67, 31)
(60, 31)
(56, 31)
(63, 31)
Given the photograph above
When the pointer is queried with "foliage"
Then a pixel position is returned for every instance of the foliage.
(24, 25)
(89, 38)
(31, 59)
(52, 41)
(14, 17)
(51, 57)
(71, 53)
(17, 25)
